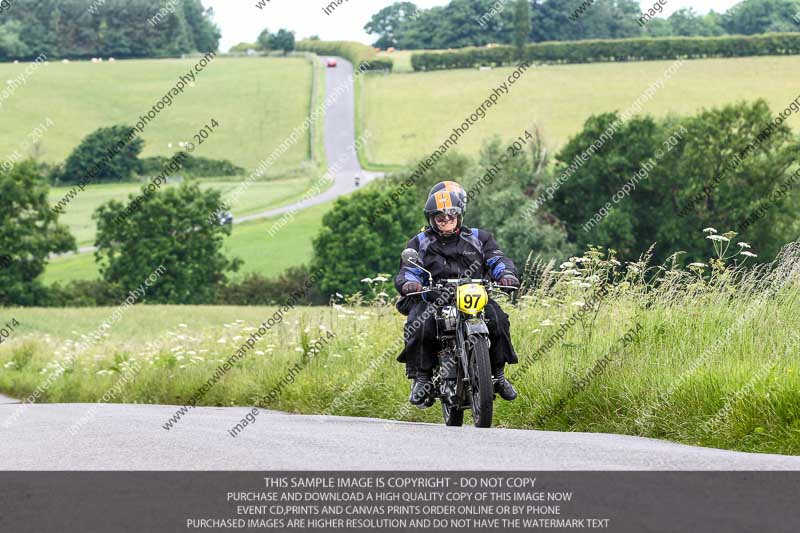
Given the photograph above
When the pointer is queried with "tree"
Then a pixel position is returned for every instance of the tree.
(519, 181)
(760, 16)
(29, 233)
(423, 31)
(170, 227)
(522, 26)
(349, 249)
(613, 19)
(388, 23)
(122, 28)
(686, 22)
(264, 39)
(11, 44)
(702, 160)
(205, 34)
(658, 27)
(107, 154)
(283, 40)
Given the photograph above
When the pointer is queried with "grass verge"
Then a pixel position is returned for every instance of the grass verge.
(714, 361)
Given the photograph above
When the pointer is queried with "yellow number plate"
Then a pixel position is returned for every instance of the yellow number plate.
(471, 298)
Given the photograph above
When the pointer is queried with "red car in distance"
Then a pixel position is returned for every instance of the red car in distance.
(331, 62)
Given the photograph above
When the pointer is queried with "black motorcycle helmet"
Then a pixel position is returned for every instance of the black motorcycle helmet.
(451, 186)
(444, 202)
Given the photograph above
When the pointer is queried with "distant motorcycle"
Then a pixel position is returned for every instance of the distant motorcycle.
(358, 181)
(462, 379)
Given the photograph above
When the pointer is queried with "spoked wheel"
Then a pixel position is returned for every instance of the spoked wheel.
(453, 414)
(480, 371)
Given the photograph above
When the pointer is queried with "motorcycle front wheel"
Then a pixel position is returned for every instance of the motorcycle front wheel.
(453, 415)
(481, 385)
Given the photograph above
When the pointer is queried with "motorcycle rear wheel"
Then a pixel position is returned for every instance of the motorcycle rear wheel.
(480, 370)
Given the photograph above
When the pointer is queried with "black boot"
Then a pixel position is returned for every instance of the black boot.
(421, 389)
(502, 386)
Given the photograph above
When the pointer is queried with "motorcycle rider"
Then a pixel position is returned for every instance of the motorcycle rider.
(447, 249)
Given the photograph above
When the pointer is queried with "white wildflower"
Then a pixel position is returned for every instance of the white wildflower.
(546, 323)
(365, 280)
(743, 245)
(568, 264)
(259, 352)
(718, 238)
(709, 230)
(697, 265)
(579, 304)
(749, 254)
(381, 279)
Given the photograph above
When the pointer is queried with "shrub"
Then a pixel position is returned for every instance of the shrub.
(107, 154)
(606, 50)
(255, 289)
(197, 167)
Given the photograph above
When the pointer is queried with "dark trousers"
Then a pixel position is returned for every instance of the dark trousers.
(422, 345)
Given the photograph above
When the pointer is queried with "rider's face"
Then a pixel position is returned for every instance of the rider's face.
(446, 223)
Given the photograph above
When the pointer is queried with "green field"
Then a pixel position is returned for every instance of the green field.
(262, 254)
(401, 59)
(257, 101)
(410, 115)
(670, 382)
(261, 196)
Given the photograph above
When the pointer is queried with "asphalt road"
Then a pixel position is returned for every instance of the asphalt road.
(131, 437)
(340, 136)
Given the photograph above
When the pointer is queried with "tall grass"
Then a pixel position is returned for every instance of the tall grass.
(714, 361)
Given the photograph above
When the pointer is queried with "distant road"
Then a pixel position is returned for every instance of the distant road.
(131, 437)
(340, 135)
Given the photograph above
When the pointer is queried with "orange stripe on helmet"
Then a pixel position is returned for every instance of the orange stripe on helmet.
(443, 200)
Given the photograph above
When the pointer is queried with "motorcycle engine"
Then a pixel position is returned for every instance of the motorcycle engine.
(448, 319)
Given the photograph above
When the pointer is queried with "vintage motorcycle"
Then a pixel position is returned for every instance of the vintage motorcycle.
(462, 379)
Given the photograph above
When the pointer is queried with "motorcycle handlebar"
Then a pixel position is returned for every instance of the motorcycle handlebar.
(490, 285)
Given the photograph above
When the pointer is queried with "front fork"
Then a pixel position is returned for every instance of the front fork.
(468, 328)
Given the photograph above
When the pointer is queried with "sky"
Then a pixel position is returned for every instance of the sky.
(241, 20)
